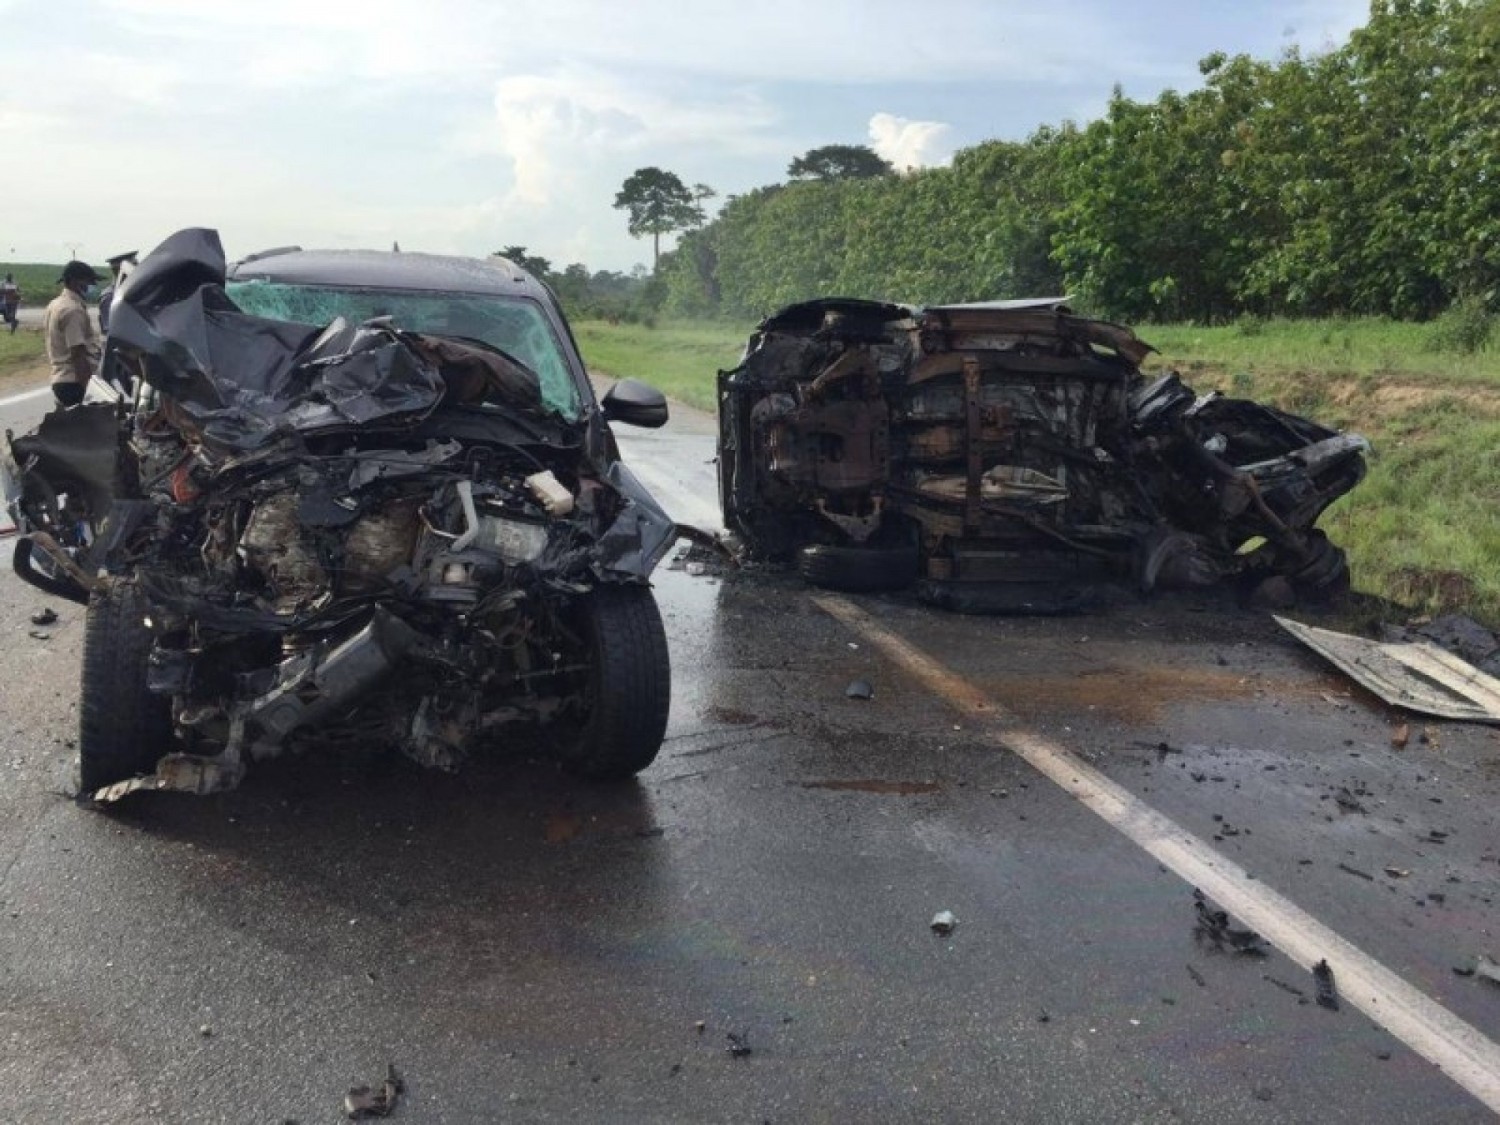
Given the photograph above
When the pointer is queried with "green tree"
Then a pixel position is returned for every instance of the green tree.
(658, 203)
(839, 162)
(539, 267)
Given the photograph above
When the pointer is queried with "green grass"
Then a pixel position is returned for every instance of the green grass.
(1364, 347)
(19, 349)
(38, 280)
(1423, 528)
(681, 359)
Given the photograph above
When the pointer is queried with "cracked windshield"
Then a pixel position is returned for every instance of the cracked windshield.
(518, 328)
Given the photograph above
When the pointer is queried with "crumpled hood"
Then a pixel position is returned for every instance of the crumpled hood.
(242, 380)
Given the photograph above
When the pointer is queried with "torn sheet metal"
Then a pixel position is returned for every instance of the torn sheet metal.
(245, 380)
(1416, 676)
(1015, 446)
(349, 536)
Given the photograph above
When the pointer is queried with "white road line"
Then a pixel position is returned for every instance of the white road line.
(682, 505)
(24, 396)
(1458, 1048)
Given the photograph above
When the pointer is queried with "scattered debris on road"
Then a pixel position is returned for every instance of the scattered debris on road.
(1484, 967)
(739, 1045)
(943, 922)
(1328, 995)
(1397, 872)
(1416, 676)
(704, 553)
(44, 616)
(1401, 736)
(1347, 801)
(363, 1101)
(860, 689)
(1285, 987)
(1214, 927)
(39, 635)
(1356, 872)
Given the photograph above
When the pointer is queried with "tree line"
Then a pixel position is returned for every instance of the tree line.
(1362, 180)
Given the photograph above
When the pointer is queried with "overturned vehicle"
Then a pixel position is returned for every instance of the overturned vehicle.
(359, 499)
(1011, 457)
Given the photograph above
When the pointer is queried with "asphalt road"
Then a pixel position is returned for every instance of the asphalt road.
(524, 949)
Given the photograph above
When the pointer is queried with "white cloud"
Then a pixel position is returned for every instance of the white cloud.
(910, 144)
(462, 125)
(557, 128)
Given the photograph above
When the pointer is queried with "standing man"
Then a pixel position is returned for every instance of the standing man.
(108, 296)
(72, 341)
(10, 300)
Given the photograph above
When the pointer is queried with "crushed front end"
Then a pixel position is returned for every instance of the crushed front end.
(377, 539)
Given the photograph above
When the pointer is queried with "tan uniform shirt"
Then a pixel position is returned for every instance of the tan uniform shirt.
(66, 325)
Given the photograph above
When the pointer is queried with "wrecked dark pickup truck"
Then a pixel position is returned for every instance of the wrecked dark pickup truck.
(360, 499)
(1011, 457)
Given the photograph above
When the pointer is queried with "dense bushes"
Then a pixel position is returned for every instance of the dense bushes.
(1360, 181)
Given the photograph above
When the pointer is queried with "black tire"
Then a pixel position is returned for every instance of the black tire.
(629, 688)
(122, 728)
(859, 569)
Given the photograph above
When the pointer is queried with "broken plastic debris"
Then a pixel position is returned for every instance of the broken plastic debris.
(362, 1101)
(39, 635)
(550, 493)
(943, 922)
(44, 616)
(860, 689)
(1328, 996)
(1397, 872)
(739, 1044)
(1484, 968)
(1214, 927)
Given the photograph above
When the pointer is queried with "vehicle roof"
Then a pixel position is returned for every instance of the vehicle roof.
(389, 269)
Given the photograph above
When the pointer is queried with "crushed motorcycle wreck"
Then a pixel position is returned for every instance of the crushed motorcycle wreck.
(360, 499)
(1011, 457)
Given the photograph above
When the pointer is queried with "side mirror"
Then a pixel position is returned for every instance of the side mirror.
(636, 404)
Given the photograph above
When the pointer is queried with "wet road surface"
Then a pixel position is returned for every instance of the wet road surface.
(522, 948)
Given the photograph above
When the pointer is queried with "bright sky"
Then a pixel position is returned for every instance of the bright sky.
(460, 126)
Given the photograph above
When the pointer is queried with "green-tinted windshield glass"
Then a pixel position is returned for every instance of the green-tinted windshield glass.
(517, 327)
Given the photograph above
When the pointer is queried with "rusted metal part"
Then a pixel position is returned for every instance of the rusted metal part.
(1017, 430)
(973, 431)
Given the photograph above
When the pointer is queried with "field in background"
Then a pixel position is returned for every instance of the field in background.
(38, 280)
(678, 358)
(1423, 528)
